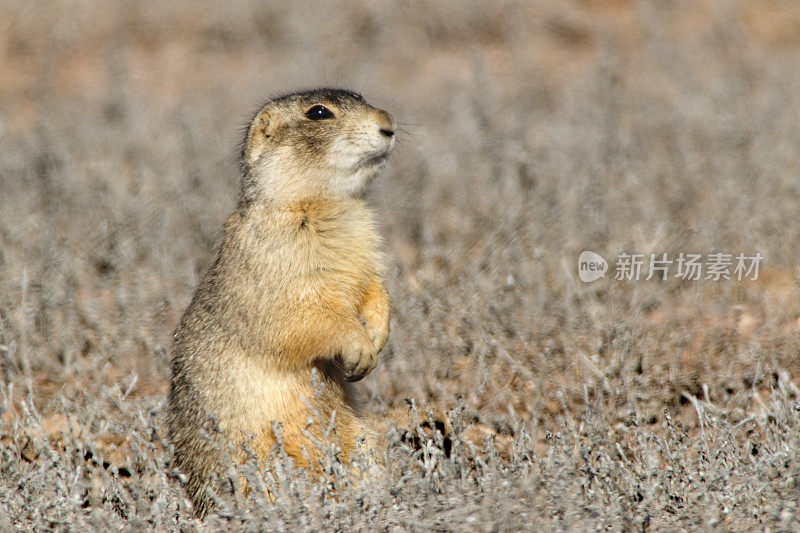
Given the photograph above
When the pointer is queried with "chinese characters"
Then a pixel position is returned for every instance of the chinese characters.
(687, 266)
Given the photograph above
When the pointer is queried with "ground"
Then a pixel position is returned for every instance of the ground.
(529, 132)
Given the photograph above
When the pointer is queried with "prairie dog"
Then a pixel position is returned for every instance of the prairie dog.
(296, 286)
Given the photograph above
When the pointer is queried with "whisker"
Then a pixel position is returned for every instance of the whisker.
(406, 132)
(410, 139)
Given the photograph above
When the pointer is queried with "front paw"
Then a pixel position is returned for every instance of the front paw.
(378, 336)
(359, 358)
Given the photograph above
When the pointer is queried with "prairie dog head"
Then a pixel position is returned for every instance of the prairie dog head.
(325, 143)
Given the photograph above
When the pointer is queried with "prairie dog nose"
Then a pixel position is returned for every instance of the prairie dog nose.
(385, 122)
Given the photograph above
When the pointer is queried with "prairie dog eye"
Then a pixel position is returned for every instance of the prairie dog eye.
(319, 112)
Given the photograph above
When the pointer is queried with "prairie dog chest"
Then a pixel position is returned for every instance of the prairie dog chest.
(340, 250)
(317, 249)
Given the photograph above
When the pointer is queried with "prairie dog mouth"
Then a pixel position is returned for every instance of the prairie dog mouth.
(375, 158)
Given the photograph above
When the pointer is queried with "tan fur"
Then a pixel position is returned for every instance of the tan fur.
(296, 286)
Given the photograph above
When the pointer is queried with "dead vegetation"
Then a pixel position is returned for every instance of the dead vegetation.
(531, 131)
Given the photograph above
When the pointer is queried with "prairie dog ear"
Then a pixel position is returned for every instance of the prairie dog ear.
(258, 137)
(261, 125)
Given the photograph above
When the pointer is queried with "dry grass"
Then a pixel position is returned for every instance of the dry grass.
(532, 131)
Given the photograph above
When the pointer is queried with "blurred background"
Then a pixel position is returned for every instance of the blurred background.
(530, 131)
